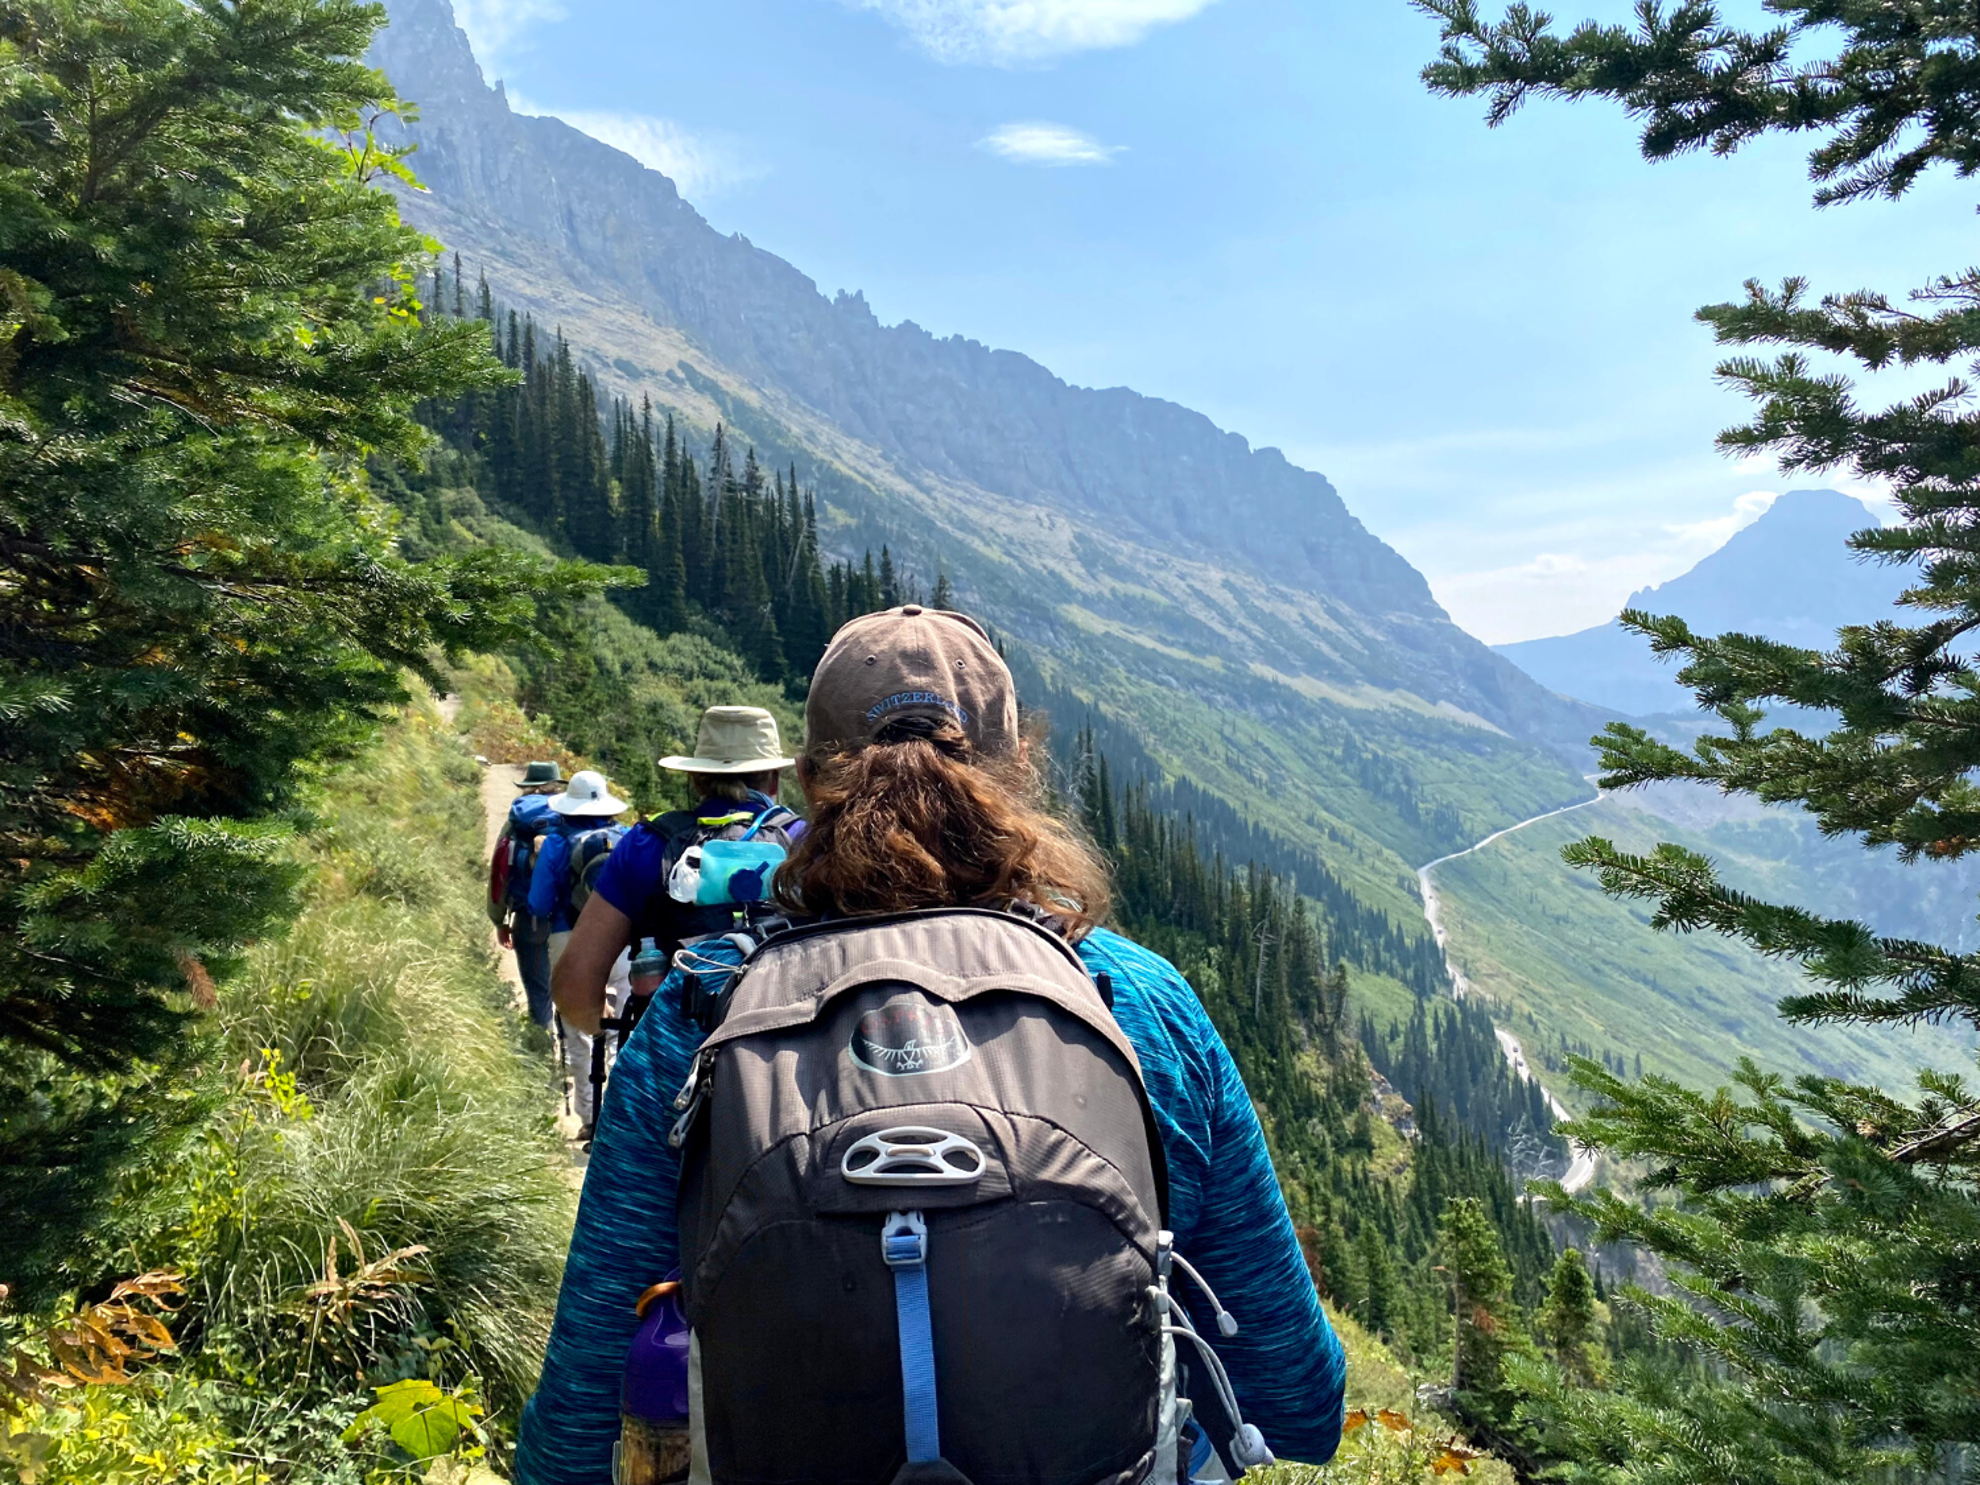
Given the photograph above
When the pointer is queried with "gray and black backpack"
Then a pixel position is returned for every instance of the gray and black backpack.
(921, 1212)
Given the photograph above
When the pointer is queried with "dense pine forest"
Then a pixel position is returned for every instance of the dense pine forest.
(718, 539)
(1267, 967)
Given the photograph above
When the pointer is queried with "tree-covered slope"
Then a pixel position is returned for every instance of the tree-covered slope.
(1159, 561)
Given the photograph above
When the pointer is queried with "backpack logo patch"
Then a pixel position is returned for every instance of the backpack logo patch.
(909, 1038)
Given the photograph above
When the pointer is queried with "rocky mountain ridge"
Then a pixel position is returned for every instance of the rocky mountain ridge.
(1154, 494)
(953, 407)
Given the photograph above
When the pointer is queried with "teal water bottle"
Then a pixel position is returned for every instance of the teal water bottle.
(649, 968)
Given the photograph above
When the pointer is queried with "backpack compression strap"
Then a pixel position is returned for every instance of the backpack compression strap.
(904, 1245)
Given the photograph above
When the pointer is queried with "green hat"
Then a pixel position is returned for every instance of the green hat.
(538, 774)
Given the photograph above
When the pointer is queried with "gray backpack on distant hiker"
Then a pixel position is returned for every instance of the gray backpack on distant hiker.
(921, 1210)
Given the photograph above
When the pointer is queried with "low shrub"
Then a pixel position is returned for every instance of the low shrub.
(377, 1194)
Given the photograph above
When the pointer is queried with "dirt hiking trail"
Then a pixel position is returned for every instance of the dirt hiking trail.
(498, 791)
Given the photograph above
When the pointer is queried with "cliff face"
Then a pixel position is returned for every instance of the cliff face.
(1135, 522)
(954, 407)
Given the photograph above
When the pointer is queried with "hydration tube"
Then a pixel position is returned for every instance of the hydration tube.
(1248, 1447)
(688, 960)
(1227, 1325)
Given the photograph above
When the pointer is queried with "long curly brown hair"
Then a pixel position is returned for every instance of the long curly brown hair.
(914, 820)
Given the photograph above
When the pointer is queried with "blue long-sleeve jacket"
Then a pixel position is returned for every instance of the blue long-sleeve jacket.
(1224, 1208)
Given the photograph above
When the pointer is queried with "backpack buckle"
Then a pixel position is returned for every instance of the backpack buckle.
(904, 1240)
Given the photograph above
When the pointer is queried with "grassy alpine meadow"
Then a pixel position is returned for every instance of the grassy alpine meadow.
(353, 1267)
(1561, 959)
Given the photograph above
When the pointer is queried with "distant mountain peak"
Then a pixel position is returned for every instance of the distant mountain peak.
(1790, 576)
(1801, 524)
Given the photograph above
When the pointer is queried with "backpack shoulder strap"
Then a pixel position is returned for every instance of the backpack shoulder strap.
(777, 818)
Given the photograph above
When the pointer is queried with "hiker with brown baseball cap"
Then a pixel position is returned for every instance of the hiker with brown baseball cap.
(948, 1181)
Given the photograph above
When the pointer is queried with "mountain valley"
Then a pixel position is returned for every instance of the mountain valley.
(1216, 611)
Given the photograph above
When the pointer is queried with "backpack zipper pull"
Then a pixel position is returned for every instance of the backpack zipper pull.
(697, 1071)
(693, 1094)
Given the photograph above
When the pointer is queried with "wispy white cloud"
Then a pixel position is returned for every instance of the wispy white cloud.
(700, 165)
(1006, 33)
(496, 26)
(1554, 593)
(1554, 565)
(1715, 532)
(1049, 144)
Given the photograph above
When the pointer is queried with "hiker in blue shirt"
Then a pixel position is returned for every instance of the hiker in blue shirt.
(923, 796)
(584, 814)
(586, 805)
(509, 873)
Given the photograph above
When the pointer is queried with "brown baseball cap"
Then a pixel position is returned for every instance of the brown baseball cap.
(911, 662)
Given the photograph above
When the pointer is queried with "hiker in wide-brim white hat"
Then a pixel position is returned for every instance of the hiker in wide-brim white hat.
(734, 739)
(588, 794)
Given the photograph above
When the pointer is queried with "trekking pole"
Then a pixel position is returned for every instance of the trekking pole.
(606, 1025)
(649, 968)
(566, 1096)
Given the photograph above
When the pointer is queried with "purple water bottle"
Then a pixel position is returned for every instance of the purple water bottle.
(653, 1398)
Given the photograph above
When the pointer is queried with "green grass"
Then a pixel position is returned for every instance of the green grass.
(1379, 998)
(1562, 958)
(372, 1079)
(1376, 1454)
(429, 1097)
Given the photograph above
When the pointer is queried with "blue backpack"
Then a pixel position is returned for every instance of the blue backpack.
(529, 817)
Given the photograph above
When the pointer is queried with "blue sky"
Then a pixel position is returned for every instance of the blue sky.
(1252, 207)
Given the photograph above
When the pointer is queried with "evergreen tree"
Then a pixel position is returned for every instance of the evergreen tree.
(1825, 1236)
(1378, 1308)
(1485, 1323)
(816, 610)
(1568, 1320)
(206, 323)
(667, 579)
(945, 593)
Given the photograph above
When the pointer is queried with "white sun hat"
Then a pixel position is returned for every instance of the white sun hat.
(588, 794)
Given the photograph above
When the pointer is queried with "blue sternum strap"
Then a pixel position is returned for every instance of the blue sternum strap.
(904, 1244)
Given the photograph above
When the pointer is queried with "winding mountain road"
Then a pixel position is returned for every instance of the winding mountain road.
(1581, 1166)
